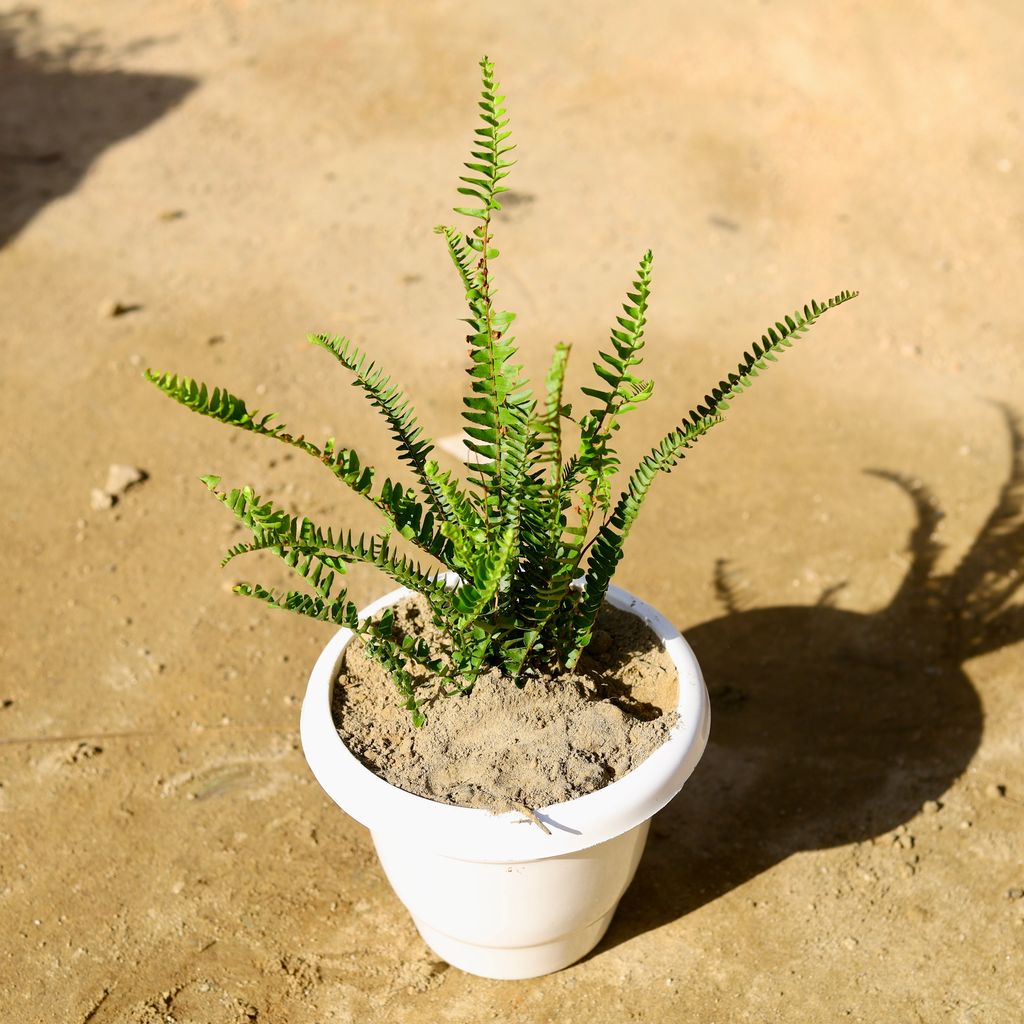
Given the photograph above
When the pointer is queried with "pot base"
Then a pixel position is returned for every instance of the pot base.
(512, 921)
(516, 964)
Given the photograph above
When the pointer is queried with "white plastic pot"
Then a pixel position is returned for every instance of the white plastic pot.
(493, 894)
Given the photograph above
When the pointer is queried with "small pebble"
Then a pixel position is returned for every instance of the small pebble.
(931, 807)
(100, 500)
(1015, 894)
(120, 478)
(995, 791)
(111, 308)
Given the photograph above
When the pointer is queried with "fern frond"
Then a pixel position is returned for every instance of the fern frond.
(296, 537)
(606, 550)
(776, 338)
(591, 470)
(413, 446)
(546, 565)
(548, 425)
(620, 392)
(340, 611)
(378, 636)
(469, 534)
(220, 404)
(500, 407)
(476, 594)
(462, 255)
(488, 166)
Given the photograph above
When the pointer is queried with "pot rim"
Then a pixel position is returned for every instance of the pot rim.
(474, 834)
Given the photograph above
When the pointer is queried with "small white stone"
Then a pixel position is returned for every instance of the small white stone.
(120, 478)
(455, 445)
(100, 500)
(110, 308)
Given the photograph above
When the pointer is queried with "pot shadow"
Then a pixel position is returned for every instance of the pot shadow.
(830, 726)
(57, 115)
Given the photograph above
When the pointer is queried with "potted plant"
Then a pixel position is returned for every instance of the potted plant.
(521, 557)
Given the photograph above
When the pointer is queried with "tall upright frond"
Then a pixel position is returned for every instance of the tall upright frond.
(619, 391)
(498, 410)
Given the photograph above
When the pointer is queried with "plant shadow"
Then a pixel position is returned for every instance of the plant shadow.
(57, 114)
(831, 726)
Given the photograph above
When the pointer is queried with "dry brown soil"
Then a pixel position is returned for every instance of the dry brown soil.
(225, 175)
(503, 747)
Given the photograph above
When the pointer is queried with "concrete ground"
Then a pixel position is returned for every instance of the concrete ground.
(194, 186)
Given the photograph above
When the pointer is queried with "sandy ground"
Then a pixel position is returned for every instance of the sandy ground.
(244, 171)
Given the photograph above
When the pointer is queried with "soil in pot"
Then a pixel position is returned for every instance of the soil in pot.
(502, 747)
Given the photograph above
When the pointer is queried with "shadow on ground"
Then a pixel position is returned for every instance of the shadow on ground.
(829, 726)
(57, 115)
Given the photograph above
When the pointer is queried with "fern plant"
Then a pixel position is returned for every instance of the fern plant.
(532, 533)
